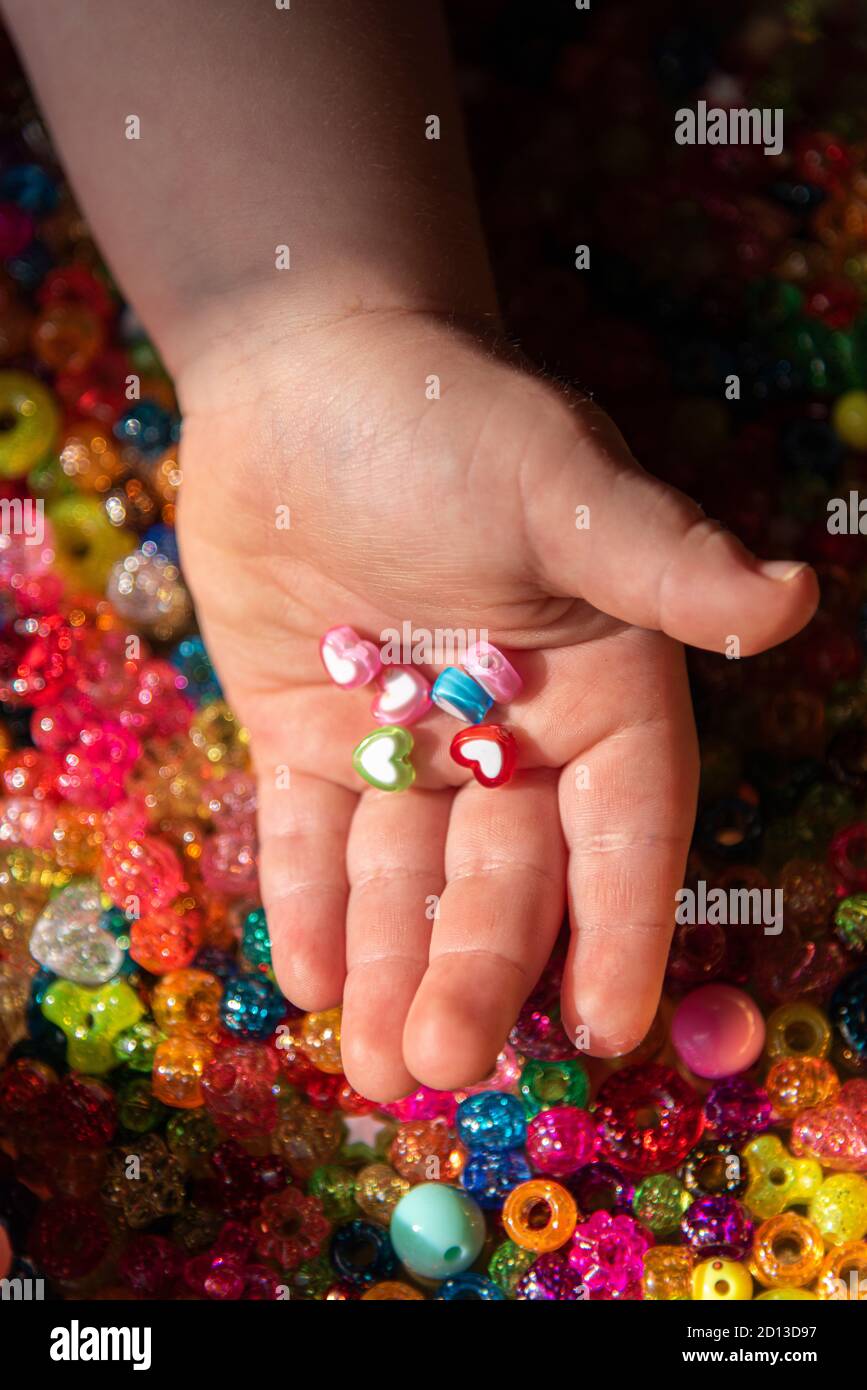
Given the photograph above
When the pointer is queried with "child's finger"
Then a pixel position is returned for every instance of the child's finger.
(603, 529)
(396, 864)
(627, 809)
(498, 919)
(303, 828)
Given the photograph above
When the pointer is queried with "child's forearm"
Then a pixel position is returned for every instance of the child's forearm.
(259, 128)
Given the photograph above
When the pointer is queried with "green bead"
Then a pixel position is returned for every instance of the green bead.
(136, 1045)
(138, 1109)
(383, 759)
(850, 922)
(191, 1136)
(255, 941)
(508, 1263)
(659, 1203)
(335, 1188)
(545, 1084)
(91, 1020)
(436, 1230)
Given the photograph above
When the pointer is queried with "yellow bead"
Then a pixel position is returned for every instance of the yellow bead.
(31, 419)
(786, 1296)
(187, 1003)
(320, 1039)
(798, 1030)
(777, 1180)
(721, 1281)
(179, 1063)
(378, 1189)
(787, 1251)
(667, 1273)
(849, 418)
(86, 543)
(839, 1208)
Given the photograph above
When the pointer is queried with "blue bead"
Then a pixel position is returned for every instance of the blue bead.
(491, 1120)
(190, 657)
(30, 187)
(166, 541)
(458, 694)
(469, 1288)
(255, 941)
(30, 267)
(362, 1253)
(849, 1010)
(146, 426)
(437, 1230)
(489, 1176)
(252, 1006)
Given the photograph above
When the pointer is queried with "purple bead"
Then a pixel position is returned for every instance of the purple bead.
(735, 1109)
(550, 1279)
(718, 1227)
(602, 1187)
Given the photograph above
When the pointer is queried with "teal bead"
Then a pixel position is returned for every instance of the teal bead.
(437, 1230)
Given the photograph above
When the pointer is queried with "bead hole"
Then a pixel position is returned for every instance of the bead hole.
(800, 1037)
(452, 1253)
(787, 1250)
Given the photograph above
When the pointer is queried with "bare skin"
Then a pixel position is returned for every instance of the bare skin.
(454, 512)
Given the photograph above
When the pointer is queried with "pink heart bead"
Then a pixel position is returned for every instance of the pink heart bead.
(487, 665)
(350, 660)
(836, 1133)
(403, 696)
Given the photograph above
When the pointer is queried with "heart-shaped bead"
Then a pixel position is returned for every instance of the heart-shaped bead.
(486, 664)
(403, 696)
(836, 1133)
(488, 750)
(351, 661)
(382, 759)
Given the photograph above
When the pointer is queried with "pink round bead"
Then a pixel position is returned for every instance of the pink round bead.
(561, 1140)
(718, 1031)
(487, 665)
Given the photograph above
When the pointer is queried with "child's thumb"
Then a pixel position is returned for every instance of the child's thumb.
(602, 529)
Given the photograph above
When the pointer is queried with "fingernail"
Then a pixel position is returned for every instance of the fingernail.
(781, 571)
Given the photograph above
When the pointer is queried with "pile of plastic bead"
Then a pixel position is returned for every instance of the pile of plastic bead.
(169, 1125)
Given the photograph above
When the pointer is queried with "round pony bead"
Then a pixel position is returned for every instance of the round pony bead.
(721, 1281)
(436, 1230)
(469, 1288)
(34, 417)
(539, 1215)
(403, 696)
(487, 665)
(69, 937)
(457, 694)
(489, 750)
(561, 1140)
(667, 1275)
(491, 1120)
(677, 1119)
(550, 1279)
(718, 1031)
(787, 1251)
(489, 1176)
(545, 1084)
(839, 1208)
(351, 661)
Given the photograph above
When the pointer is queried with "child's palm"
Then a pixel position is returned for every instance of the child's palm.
(345, 491)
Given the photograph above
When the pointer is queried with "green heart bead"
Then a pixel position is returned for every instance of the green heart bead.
(382, 759)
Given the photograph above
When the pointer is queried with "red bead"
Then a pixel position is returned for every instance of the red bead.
(649, 1119)
(489, 750)
(69, 1238)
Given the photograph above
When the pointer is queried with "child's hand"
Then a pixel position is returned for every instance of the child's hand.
(457, 513)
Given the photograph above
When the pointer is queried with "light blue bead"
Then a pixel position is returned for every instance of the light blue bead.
(437, 1230)
(458, 694)
(491, 1120)
(469, 1288)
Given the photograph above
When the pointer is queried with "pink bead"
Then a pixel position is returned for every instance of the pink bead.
(486, 664)
(561, 1140)
(350, 660)
(718, 1031)
(403, 696)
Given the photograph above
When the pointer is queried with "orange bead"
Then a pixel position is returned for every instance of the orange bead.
(843, 1275)
(177, 1075)
(320, 1040)
(187, 1002)
(165, 940)
(67, 337)
(540, 1215)
(787, 1251)
(392, 1291)
(799, 1083)
(426, 1151)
